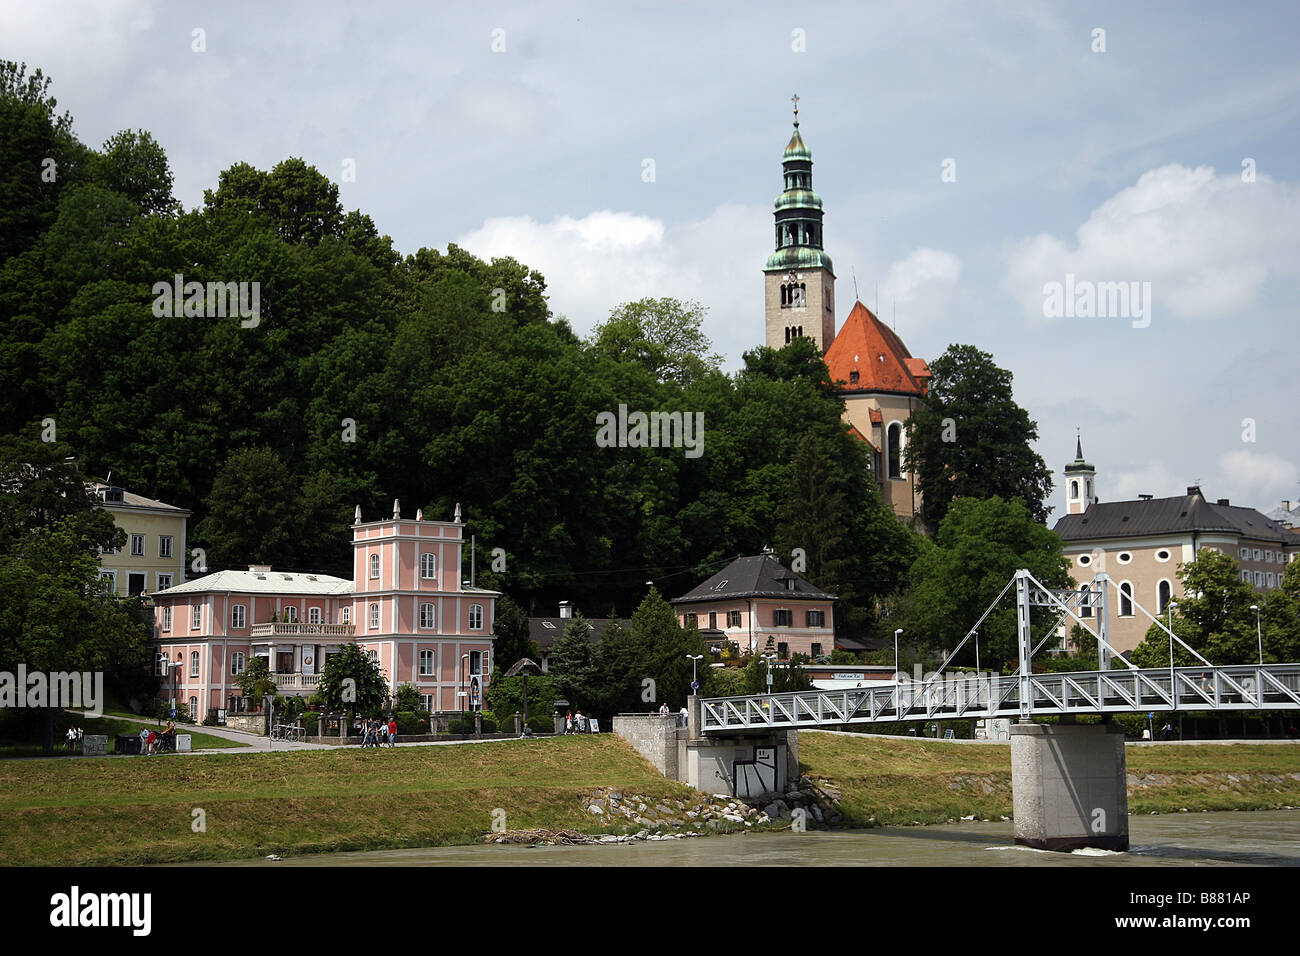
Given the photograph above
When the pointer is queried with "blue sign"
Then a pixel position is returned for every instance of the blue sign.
(173, 713)
(1151, 715)
(695, 685)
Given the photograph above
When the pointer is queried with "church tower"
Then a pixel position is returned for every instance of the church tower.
(799, 281)
(1080, 490)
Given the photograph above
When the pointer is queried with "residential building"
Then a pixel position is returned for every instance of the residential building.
(405, 606)
(755, 598)
(546, 632)
(1141, 544)
(153, 558)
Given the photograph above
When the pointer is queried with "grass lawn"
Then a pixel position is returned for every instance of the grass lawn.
(112, 812)
(912, 780)
(108, 725)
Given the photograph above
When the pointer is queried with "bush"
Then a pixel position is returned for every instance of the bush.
(541, 723)
(412, 722)
(309, 719)
(464, 724)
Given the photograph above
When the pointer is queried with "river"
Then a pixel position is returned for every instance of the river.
(1254, 838)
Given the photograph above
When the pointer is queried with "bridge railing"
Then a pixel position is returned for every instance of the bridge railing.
(1237, 687)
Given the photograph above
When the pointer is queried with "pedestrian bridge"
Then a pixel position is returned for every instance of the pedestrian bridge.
(1237, 687)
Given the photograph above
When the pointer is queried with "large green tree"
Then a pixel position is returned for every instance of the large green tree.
(969, 438)
(352, 682)
(980, 545)
(666, 336)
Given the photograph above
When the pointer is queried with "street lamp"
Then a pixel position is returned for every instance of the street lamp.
(896, 633)
(693, 658)
(1259, 635)
(769, 657)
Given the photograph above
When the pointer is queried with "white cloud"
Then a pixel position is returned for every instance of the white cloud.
(1260, 478)
(1151, 479)
(594, 263)
(922, 284)
(1205, 242)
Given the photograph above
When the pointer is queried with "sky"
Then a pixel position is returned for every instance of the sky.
(968, 155)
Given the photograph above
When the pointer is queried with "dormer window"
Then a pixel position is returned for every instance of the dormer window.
(853, 378)
(789, 584)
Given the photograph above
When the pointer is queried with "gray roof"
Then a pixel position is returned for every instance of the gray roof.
(546, 632)
(758, 575)
(1181, 515)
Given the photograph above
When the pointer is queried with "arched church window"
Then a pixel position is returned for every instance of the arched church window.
(1074, 489)
(895, 449)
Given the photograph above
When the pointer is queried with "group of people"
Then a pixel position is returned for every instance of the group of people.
(576, 723)
(681, 714)
(375, 733)
(73, 737)
(151, 742)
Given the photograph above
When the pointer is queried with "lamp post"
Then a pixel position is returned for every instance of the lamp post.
(769, 657)
(693, 658)
(1259, 634)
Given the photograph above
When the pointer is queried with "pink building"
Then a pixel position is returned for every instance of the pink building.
(754, 598)
(405, 606)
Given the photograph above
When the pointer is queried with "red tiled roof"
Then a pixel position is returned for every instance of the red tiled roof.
(853, 430)
(869, 347)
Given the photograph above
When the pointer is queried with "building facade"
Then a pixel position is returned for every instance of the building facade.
(1141, 544)
(153, 558)
(879, 380)
(755, 598)
(405, 606)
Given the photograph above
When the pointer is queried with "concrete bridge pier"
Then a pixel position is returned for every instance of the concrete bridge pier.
(1069, 786)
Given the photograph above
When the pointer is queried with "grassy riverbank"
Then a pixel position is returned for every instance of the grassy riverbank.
(113, 812)
(25, 740)
(120, 812)
(910, 780)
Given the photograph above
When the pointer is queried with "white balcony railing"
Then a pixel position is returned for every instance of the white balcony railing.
(303, 630)
(296, 681)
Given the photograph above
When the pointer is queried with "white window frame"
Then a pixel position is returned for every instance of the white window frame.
(291, 614)
(313, 615)
(374, 567)
(428, 566)
(167, 617)
(427, 701)
(194, 663)
(374, 617)
(196, 617)
(1126, 594)
(137, 545)
(165, 579)
(164, 546)
(238, 617)
(345, 614)
(476, 617)
(432, 617)
(238, 661)
(1160, 608)
(430, 670)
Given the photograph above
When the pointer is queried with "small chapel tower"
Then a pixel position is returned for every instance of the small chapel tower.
(799, 280)
(1080, 490)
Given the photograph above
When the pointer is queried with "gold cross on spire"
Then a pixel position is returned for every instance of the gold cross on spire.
(795, 99)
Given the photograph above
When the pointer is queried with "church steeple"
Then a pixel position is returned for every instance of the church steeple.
(1079, 478)
(800, 281)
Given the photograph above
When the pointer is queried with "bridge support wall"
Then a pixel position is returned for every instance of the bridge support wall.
(746, 766)
(1069, 786)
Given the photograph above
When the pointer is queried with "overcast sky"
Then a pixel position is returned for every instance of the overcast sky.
(1173, 157)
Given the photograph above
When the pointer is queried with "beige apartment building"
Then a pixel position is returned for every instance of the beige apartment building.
(153, 557)
(1140, 545)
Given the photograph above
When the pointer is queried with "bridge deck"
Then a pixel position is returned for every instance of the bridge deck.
(1230, 688)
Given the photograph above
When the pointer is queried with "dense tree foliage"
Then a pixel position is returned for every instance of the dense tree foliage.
(969, 439)
(435, 378)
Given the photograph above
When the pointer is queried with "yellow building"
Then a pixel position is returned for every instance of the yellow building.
(153, 557)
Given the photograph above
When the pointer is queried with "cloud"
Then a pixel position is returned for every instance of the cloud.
(1259, 477)
(922, 283)
(1205, 242)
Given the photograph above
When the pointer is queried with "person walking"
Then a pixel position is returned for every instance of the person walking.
(568, 722)
(392, 732)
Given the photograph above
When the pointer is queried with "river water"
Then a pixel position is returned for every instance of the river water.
(1255, 838)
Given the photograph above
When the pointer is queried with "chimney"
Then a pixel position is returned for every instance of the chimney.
(565, 609)
(1286, 504)
(1222, 501)
(262, 568)
(1145, 497)
(1194, 490)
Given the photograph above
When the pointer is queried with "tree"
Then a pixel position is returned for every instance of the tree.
(133, 164)
(351, 681)
(55, 615)
(250, 509)
(666, 336)
(980, 545)
(255, 681)
(969, 439)
(511, 642)
(573, 664)
(408, 698)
